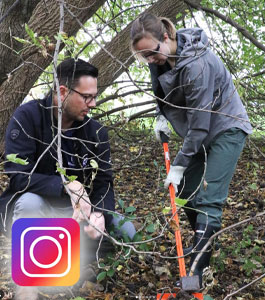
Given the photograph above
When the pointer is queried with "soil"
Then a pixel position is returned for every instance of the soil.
(138, 178)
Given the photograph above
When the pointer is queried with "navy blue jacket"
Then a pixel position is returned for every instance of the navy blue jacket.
(31, 133)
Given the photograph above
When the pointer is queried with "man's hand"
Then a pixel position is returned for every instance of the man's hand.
(80, 201)
(161, 126)
(98, 220)
(174, 177)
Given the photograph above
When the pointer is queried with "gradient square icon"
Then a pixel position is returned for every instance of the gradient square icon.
(45, 252)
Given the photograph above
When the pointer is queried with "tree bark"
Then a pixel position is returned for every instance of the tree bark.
(12, 25)
(44, 21)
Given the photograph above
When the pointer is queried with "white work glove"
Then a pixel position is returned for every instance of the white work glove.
(161, 126)
(80, 201)
(98, 220)
(174, 177)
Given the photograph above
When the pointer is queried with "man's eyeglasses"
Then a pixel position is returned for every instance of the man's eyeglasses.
(153, 52)
(87, 97)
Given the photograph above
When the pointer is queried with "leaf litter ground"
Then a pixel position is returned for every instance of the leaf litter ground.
(138, 178)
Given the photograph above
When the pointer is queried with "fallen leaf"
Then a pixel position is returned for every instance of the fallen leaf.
(173, 224)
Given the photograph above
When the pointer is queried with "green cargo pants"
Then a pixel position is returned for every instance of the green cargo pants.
(222, 156)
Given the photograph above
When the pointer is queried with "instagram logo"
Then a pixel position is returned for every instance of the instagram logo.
(45, 252)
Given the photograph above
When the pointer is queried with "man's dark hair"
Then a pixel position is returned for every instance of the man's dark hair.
(70, 70)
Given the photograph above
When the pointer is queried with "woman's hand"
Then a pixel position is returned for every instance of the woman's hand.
(161, 126)
(174, 177)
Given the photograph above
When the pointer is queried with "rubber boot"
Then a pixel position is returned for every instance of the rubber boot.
(192, 216)
(202, 234)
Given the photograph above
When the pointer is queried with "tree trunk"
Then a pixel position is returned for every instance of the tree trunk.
(44, 21)
(13, 25)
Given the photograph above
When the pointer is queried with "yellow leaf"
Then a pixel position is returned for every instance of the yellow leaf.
(134, 149)
(162, 248)
(170, 235)
(119, 267)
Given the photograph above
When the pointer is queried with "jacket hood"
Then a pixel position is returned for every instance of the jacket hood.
(192, 43)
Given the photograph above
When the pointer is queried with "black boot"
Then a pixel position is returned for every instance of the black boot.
(191, 214)
(215, 245)
(192, 217)
(202, 234)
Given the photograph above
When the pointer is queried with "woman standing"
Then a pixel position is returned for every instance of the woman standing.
(196, 94)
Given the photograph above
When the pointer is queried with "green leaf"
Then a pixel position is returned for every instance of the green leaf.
(116, 263)
(178, 15)
(125, 237)
(79, 298)
(180, 202)
(29, 32)
(166, 210)
(93, 164)
(32, 35)
(150, 228)
(130, 209)
(101, 276)
(121, 203)
(138, 237)
(13, 158)
(22, 41)
(61, 170)
(110, 272)
(255, 164)
(253, 186)
(144, 247)
(206, 297)
(112, 213)
(71, 178)
(121, 222)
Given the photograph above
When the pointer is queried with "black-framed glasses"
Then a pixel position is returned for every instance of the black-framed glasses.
(152, 52)
(87, 97)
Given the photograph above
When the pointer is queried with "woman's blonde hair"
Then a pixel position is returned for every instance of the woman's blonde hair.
(150, 25)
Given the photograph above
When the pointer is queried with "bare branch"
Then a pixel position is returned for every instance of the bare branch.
(245, 286)
(109, 112)
(228, 20)
(114, 96)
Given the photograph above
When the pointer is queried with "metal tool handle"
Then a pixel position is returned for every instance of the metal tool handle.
(182, 269)
(181, 262)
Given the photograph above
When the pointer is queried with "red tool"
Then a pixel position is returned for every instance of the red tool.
(189, 283)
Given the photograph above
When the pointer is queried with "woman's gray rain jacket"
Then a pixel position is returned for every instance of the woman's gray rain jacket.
(197, 95)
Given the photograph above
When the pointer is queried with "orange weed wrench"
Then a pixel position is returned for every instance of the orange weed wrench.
(188, 283)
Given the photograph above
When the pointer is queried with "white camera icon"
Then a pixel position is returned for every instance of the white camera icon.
(65, 234)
